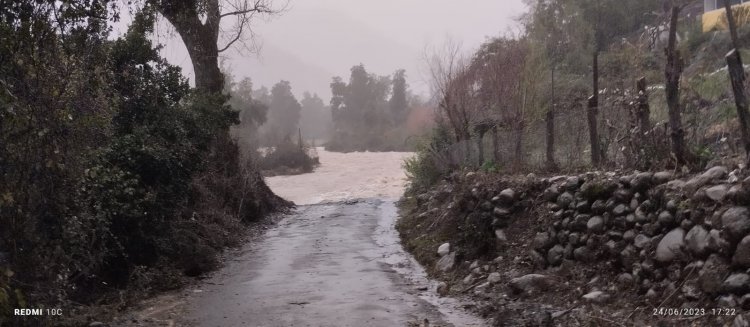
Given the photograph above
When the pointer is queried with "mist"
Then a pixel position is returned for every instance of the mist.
(314, 40)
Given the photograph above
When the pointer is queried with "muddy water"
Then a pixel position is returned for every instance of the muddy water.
(335, 261)
(342, 176)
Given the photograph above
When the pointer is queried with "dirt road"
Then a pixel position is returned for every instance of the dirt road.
(337, 263)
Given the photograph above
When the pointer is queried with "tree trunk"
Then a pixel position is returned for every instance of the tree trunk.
(550, 118)
(519, 145)
(644, 110)
(673, 72)
(495, 145)
(737, 76)
(732, 24)
(200, 40)
(593, 108)
(480, 149)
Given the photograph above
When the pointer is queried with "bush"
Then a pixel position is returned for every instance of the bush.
(289, 158)
(424, 169)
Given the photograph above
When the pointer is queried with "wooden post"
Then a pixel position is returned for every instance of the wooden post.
(737, 76)
(592, 112)
(643, 114)
(550, 120)
(672, 73)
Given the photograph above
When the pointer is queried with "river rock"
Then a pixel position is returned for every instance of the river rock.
(507, 196)
(530, 283)
(555, 255)
(709, 175)
(582, 254)
(716, 242)
(736, 283)
(671, 245)
(494, 278)
(596, 297)
(642, 181)
(446, 262)
(442, 289)
(666, 218)
(542, 241)
(697, 240)
(662, 177)
(641, 241)
(564, 200)
(551, 193)
(595, 225)
(500, 236)
(736, 221)
(742, 253)
(710, 277)
(717, 193)
(444, 249)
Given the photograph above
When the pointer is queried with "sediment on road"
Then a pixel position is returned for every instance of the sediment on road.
(599, 248)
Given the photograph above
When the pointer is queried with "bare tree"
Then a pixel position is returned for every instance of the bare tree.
(737, 77)
(199, 23)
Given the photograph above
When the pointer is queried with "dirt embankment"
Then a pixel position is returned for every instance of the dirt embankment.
(600, 249)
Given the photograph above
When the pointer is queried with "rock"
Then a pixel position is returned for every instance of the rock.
(736, 221)
(697, 240)
(551, 193)
(596, 297)
(642, 181)
(446, 262)
(583, 206)
(442, 289)
(676, 184)
(651, 294)
(709, 175)
(629, 235)
(555, 255)
(537, 259)
(641, 241)
(740, 320)
(742, 253)
(564, 200)
(507, 196)
(717, 193)
(500, 235)
(494, 278)
(444, 249)
(595, 225)
(662, 177)
(468, 279)
(727, 302)
(582, 254)
(598, 207)
(470, 174)
(745, 302)
(481, 288)
(474, 265)
(501, 212)
(710, 277)
(542, 241)
(572, 183)
(671, 245)
(666, 218)
(736, 284)
(530, 283)
(625, 279)
(620, 210)
(716, 242)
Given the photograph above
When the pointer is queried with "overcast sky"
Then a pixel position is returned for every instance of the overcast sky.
(315, 40)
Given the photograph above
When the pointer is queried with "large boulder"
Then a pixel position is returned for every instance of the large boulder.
(670, 245)
(736, 222)
(446, 262)
(444, 249)
(507, 196)
(709, 175)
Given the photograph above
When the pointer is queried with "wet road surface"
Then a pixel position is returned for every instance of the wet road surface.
(336, 264)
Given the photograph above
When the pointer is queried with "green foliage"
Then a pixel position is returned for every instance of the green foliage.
(423, 169)
(490, 166)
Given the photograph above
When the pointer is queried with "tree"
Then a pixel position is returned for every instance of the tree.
(283, 113)
(316, 117)
(398, 102)
(199, 24)
(672, 74)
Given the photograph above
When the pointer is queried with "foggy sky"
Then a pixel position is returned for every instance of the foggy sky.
(315, 40)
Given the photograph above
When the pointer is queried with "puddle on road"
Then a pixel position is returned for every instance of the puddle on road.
(394, 255)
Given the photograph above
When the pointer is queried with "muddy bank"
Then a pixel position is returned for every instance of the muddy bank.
(597, 248)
